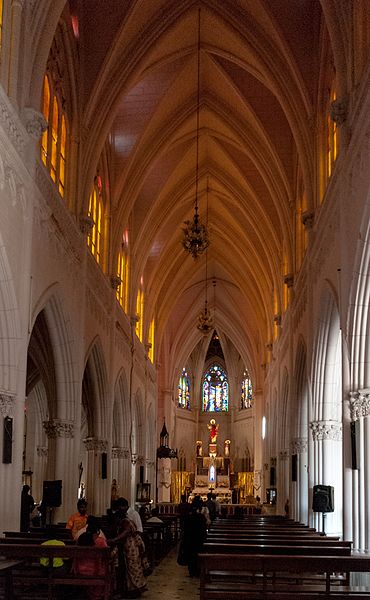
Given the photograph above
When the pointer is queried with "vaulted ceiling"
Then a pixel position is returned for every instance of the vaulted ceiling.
(259, 65)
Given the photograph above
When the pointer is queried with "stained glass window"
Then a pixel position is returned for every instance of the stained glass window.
(54, 139)
(95, 237)
(215, 390)
(246, 397)
(139, 314)
(184, 390)
(122, 273)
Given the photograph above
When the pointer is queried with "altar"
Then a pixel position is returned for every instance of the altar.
(213, 471)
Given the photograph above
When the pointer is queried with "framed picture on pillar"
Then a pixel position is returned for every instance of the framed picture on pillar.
(143, 492)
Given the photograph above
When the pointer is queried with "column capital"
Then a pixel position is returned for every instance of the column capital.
(56, 428)
(6, 404)
(283, 455)
(118, 452)
(299, 445)
(42, 451)
(326, 430)
(359, 403)
(94, 443)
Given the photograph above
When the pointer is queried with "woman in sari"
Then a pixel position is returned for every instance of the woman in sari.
(131, 552)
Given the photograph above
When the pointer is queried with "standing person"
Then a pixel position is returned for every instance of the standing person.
(211, 505)
(183, 510)
(27, 506)
(195, 534)
(78, 520)
(131, 551)
(134, 516)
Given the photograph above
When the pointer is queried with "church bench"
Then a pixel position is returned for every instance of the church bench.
(31, 574)
(278, 549)
(46, 534)
(240, 577)
(315, 542)
(33, 540)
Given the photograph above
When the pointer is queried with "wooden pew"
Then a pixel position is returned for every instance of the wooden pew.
(279, 549)
(240, 577)
(30, 573)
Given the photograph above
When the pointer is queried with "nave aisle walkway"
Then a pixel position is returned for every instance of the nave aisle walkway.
(169, 581)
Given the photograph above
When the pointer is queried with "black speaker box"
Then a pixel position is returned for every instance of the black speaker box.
(294, 467)
(104, 465)
(7, 440)
(355, 436)
(52, 493)
(323, 498)
(272, 476)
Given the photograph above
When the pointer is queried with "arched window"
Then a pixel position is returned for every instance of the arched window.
(246, 397)
(95, 237)
(122, 273)
(215, 390)
(139, 313)
(54, 139)
(184, 390)
(331, 134)
(151, 341)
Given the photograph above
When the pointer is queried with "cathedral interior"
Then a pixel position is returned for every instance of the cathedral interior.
(184, 253)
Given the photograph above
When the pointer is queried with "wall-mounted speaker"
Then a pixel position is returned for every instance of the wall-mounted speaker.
(272, 476)
(294, 467)
(354, 443)
(52, 493)
(323, 498)
(104, 465)
(7, 440)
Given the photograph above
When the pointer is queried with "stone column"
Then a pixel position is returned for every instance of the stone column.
(360, 416)
(60, 463)
(299, 495)
(40, 469)
(121, 469)
(327, 438)
(97, 489)
(282, 480)
(16, 24)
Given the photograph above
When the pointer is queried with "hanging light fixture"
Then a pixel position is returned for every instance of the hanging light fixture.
(196, 240)
(205, 320)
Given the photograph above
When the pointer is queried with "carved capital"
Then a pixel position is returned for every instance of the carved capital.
(289, 279)
(93, 443)
(42, 451)
(55, 428)
(338, 111)
(6, 404)
(86, 224)
(115, 281)
(277, 320)
(359, 404)
(326, 430)
(284, 455)
(35, 122)
(118, 452)
(308, 218)
(299, 445)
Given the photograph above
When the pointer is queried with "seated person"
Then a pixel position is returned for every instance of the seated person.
(58, 562)
(154, 518)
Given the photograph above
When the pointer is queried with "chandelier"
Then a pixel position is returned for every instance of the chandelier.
(195, 239)
(205, 320)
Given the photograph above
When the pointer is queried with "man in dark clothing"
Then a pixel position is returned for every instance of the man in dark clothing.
(211, 505)
(27, 506)
(195, 534)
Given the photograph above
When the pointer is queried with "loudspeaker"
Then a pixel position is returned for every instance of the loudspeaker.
(7, 440)
(272, 476)
(141, 474)
(104, 465)
(52, 493)
(354, 442)
(294, 467)
(323, 498)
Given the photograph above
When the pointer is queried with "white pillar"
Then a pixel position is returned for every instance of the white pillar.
(97, 489)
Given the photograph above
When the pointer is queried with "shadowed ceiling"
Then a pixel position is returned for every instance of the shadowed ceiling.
(258, 74)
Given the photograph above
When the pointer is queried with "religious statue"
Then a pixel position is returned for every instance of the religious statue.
(213, 431)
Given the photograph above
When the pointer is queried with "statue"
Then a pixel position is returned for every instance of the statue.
(213, 431)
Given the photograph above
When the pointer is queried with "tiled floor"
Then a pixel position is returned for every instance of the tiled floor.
(169, 581)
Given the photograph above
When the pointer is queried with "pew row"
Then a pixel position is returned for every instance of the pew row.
(243, 577)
